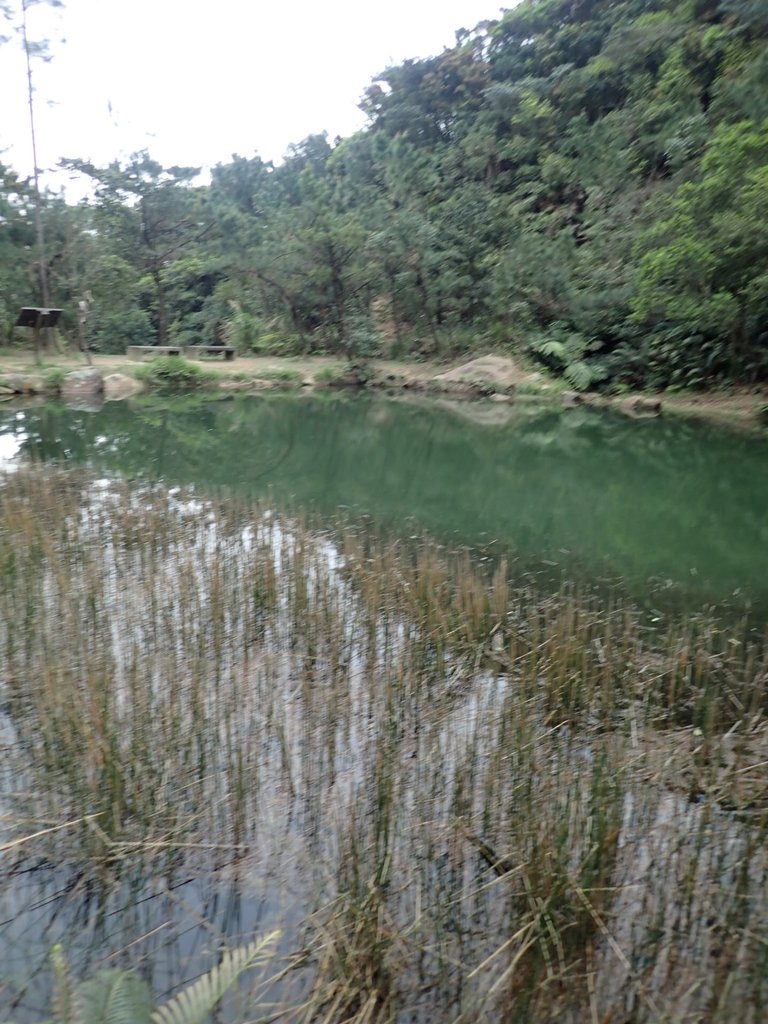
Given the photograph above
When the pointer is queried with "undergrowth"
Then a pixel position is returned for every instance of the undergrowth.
(172, 373)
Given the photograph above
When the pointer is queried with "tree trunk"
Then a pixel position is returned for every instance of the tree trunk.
(339, 301)
(39, 233)
(162, 312)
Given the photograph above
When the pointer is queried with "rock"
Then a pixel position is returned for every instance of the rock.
(24, 383)
(496, 373)
(242, 385)
(31, 384)
(389, 380)
(500, 399)
(457, 388)
(570, 399)
(639, 406)
(82, 385)
(251, 384)
(117, 386)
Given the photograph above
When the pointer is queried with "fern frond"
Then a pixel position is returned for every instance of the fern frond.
(115, 997)
(551, 348)
(196, 1001)
(578, 375)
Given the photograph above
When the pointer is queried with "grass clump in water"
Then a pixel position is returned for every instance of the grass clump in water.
(466, 800)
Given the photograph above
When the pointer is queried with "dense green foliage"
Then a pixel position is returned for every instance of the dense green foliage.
(172, 373)
(584, 181)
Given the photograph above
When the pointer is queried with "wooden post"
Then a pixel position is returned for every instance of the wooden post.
(36, 336)
(82, 319)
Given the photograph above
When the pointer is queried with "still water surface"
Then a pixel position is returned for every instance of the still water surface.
(667, 505)
(670, 507)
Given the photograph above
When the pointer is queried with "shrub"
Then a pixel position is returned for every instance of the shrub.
(53, 378)
(332, 374)
(172, 373)
(283, 375)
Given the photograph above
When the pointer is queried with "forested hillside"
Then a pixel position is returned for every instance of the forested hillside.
(583, 181)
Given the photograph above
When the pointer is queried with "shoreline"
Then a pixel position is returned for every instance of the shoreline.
(492, 378)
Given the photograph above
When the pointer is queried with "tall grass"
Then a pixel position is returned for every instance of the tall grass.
(474, 802)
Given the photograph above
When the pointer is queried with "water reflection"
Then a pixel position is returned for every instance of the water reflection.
(678, 504)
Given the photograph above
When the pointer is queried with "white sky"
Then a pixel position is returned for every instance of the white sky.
(196, 82)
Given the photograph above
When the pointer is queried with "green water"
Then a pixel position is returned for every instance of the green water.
(665, 505)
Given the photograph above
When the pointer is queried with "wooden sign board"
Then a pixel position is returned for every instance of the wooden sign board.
(34, 316)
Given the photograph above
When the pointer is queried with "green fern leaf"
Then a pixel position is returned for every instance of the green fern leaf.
(196, 1001)
(114, 997)
(550, 348)
(578, 375)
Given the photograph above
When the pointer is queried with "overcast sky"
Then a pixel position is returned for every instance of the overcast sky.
(195, 83)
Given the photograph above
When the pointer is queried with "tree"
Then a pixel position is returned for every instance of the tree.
(33, 50)
(17, 239)
(40, 50)
(703, 264)
(153, 216)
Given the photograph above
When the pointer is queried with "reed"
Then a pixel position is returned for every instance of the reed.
(474, 801)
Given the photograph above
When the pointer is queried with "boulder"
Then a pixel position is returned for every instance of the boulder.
(486, 374)
(251, 384)
(639, 406)
(117, 386)
(82, 385)
(24, 383)
(570, 399)
(443, 385)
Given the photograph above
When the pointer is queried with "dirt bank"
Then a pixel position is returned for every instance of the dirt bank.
(486, 376)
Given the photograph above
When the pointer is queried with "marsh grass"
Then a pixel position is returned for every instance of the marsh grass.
(467, 801)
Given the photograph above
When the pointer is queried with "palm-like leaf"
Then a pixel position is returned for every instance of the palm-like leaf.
(551, 348)
(114, 997)
(64, 1008)
(194, 1004)
(578, 375)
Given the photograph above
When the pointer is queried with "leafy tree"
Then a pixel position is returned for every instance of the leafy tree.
(581, 180)
(703, 272)
(152, 215)
(17, 240)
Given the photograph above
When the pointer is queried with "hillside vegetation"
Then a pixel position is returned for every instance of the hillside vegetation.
(584, 182)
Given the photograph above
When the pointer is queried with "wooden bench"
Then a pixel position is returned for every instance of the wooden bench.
(196, 351)
(138, 352)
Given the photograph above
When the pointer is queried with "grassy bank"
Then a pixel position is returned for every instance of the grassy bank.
(739, 407)
(459, 799)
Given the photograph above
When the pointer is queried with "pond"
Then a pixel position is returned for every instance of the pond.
(424, 761)
(670, 506)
